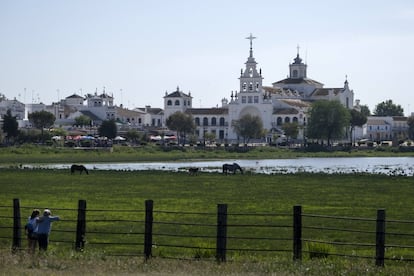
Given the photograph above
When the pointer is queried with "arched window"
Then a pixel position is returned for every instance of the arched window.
(205, 121)
(213, 121)
(295, 73)
(177, 102)
(244, 86)
(279, 121)
(287, 120)
(221, 121)
(169, 102)
(197, 121)
(295, 119)
(251, 86)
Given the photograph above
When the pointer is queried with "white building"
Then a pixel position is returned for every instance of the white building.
(286, 101)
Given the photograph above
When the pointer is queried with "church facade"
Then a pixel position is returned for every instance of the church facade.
(284, 101)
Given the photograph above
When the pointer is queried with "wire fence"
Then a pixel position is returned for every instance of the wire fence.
(219, 235)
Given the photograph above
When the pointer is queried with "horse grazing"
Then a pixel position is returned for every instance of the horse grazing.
(192, 171)
(232, 168)
(79, 168)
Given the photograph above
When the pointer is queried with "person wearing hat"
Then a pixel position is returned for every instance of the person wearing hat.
(44, 227)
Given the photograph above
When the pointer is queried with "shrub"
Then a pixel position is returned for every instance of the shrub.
(319, 250)
(204, 251)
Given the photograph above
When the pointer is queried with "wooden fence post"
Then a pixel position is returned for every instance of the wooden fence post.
(149, 204)
(17, 227)
(297, 233)
(380, 238)
(81, 226)
(221, 242)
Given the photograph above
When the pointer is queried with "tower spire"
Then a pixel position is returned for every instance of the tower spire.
(251, 37)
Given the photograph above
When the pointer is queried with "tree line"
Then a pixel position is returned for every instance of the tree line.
(327, 120)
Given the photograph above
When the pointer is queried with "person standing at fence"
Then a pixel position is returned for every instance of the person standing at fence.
(31, 229)
(44, 227)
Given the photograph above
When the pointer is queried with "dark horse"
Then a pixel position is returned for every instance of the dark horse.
(193, 171)
(79, 168)
(232, 168)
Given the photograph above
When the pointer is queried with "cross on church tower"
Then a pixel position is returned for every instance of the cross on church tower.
(251, 37)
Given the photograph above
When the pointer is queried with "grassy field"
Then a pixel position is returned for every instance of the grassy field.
(115, 195)
(42, 154)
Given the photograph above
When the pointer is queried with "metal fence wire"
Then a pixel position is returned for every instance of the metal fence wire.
(218, 235)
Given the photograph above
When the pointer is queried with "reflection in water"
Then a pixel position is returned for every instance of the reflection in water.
(372, 165)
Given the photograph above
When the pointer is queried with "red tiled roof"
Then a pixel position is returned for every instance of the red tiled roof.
(325, 91)
(298, 81)
(285, 111)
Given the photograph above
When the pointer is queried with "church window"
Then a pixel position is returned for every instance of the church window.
(221, 121)
(250, 99)
(251, 72)
(205, 121)
(169, 102)
(188, 103)
(197, 121)
(251, 86)
(243, 99)
(139, 121)
(257, 86)
(256, 99)
(295, 73)
(177, 102)
(244, 86)
(213, 121)
(287, 120)
(279, 121)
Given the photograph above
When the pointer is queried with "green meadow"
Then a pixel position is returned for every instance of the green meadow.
(52, 154)
(186, 206)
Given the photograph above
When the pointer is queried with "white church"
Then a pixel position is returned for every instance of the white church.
(286, 100)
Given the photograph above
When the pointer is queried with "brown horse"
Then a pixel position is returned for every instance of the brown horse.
(80, 168)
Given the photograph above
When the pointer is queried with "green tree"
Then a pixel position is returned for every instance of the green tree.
(291, 130)
(248, 126)
(365, 110)
(83, 120)
(327, 120)
(410, 122)
(357, 119)
(10, 126)
(42, 119)
(133, 136)
(182, 123)
(108, 129)
(388, 108)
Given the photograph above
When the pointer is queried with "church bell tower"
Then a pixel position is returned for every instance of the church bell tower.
(297, 68)
(250, 79)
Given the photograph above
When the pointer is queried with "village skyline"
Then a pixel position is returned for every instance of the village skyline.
(139, 51)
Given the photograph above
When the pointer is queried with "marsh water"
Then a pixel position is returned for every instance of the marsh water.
(371, 165)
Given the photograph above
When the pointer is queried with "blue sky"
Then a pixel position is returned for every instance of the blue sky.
(138, 50)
